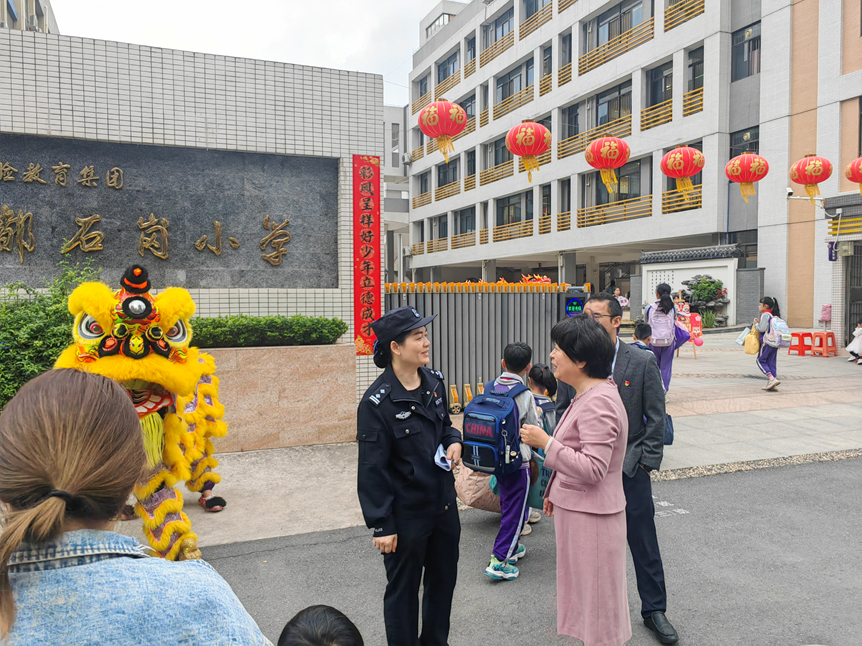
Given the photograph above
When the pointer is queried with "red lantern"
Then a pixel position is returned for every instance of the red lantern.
(811, 170)
(607, 154)
(746, 169)
(682, 163)
(528, 140)
(443, 120)
(853, 172)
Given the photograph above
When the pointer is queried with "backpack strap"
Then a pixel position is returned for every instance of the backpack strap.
(514, 391)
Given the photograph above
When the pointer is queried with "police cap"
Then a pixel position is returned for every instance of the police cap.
(395, 322)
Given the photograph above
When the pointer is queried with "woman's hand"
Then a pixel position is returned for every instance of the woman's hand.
(548, 508)
(534, 436)
(386, 544)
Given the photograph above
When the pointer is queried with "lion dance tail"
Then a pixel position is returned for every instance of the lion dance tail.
(167, 528)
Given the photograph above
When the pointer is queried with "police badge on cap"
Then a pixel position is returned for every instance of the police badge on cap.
(395, 322)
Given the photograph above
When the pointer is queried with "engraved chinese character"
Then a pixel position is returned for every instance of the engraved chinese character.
(115, 178)
(366, 298)
(88, 176)
(154, 236)
(83, 238)
(365, 188)
(366, 172)
(7, 173)
(60, 171)
(21, 236)
(32, 174)
(201, 244)
(278, 237)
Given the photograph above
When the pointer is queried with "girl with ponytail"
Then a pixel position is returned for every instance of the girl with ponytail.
(543, 385)
(661, 317)
(70, 452)
(767, 357)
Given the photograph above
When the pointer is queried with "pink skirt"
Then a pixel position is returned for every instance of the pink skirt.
(592, 597)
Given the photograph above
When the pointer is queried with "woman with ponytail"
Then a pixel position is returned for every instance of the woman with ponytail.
(70, 453)
(768, 355)
(661, 316)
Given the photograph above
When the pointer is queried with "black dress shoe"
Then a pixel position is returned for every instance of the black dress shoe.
(662, 628)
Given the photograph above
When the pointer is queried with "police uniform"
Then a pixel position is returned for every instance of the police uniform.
(403, 491)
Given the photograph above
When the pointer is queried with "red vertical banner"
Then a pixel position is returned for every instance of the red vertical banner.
(366, 250)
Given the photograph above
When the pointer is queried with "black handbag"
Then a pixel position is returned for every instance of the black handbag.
(668, 430)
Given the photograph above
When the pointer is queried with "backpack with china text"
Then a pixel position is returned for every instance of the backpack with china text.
(492, 431)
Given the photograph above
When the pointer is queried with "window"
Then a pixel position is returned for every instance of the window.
(629, 186)
(660, 84)
(396, 141)
(547, 64)
(424, 182)
(530, 72)
(616, 21)
(695, 179)
(471, 49)
(745, 141)
(471, 163)
(695, 69)
(570, 124)
(528, 200)
(498, 153)
(442, 226)
(747, 241)
(615, 103)
(500, 27)
(447, 68)
(567, 49)
(508, 84)
(546, 200)
(421, 227)
(745, 55)
(531, 7)
(467, 220)
(509, 210)
(565, 196)
(469, 105)
(423, 86)
(438, 24)
(545, 122)
(447, 173)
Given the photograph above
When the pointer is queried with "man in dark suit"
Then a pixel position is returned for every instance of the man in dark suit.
(637, 376)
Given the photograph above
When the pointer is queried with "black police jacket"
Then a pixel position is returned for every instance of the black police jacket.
(398, 434)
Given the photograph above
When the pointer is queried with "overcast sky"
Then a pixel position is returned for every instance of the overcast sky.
(376, 36)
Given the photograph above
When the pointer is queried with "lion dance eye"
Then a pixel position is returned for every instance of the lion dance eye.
(90, 328)
(178, 333)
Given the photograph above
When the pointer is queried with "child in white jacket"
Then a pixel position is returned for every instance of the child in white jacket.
(855, 347)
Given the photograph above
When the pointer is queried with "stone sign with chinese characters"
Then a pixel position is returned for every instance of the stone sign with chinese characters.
(196, 218)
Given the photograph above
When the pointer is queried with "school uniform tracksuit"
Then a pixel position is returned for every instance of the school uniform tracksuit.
(767, 357)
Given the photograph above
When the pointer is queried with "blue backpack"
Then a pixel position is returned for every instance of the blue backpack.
(492, 431)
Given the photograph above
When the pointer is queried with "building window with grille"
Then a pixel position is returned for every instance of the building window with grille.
(532, 7)
(423, 86)
(467, 220)
(565, 195)
(566, 50)
(447, 173)
(442, 226)
(570, 117)
(471, 49)
(424, 182)
(528, 200)
(745, 56)
(498, 153)
(509, 210)
(396, 141)
(628, 186)
(546, 200)
(447, 68)
(508, 84)
(471, 163)
(438, 24)
(547, 64)
(613, 22)
(499, 28)
(615, 103)
(745, 141)
(530, 72)
(661, 84)
(695, 69)
(469, 105)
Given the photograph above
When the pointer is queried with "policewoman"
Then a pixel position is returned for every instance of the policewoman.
(407, 448)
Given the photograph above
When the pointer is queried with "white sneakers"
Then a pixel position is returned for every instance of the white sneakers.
(772, 384)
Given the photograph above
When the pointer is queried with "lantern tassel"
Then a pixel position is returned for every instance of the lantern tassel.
(609, 179)
(531, 163)
(860, 189)
(444, 142)
(746, 188)
(813, 190)
(684, 186)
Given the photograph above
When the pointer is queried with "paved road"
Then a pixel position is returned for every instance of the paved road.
(769, 557)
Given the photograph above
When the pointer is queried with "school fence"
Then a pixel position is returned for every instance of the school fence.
(472, 328)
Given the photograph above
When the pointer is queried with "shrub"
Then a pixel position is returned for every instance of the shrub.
(705, 289)
(708, 318)
(254, 331)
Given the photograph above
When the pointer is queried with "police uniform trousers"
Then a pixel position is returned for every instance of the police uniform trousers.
(430, 542)
(643, 542)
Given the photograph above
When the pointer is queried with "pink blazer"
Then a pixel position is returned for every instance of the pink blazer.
(587, 453)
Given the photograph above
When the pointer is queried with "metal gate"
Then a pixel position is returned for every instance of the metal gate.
(854, 290)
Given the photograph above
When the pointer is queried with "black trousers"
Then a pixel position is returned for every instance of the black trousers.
(429, 542)
(643, 542)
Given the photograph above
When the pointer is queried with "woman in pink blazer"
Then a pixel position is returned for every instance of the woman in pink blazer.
(585, 493)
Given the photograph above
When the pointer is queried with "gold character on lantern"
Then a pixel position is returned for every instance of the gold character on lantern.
(610, 150)
(83, 238)
(814, 167)
(154, 236)
(699, 159)
(675, 161)
(758, 166)
(430, 117)
(734, 168)
(457, 115)
(526, 137)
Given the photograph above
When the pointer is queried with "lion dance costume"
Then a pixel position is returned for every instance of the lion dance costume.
(142, 342)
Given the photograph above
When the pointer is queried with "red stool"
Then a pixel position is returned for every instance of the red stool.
(801, 342)
(826, 347)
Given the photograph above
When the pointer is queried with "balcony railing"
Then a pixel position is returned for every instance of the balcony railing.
(544, 224)
(616, 47)
(435, 246)
(421, 102)
(678, 13)
(845, 226)
(544, 158)
(657, 115)
(470, 68)
(564, 221)
(514, 102)
(418, 248)
(638, 207)
(463, 240)
(419, 153)
(483, 236)
(546, 84)
(673, 201)
(451, 81)
(692, 102)
(565, 4)
(483, 118)
(431, 146)
(535, 21)
(422, 200)
(470, 127)
(470, 182)
(513, 231)
(496, 49)
(448, 190)
(620, 128)
(564, 75)
(500, 171)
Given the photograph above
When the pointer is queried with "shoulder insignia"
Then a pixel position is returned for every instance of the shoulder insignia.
(380, 394)
(436, 373)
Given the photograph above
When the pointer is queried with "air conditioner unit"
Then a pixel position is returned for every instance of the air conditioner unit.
(33, 23)
(845, 249)
(408, 251)
(406, 158)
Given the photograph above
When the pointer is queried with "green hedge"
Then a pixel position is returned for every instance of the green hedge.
(255, 331)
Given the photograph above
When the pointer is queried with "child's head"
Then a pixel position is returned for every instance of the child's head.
(643, 333)
(542, 379)
(859, 322)
(320, 626)
(517, 357)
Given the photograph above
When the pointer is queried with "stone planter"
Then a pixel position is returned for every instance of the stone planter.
(286, 396)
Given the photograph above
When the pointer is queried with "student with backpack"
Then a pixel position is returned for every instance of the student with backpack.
(642, 336)
(661, 317)
(492, 444)
(541, 380)
(773, 331)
